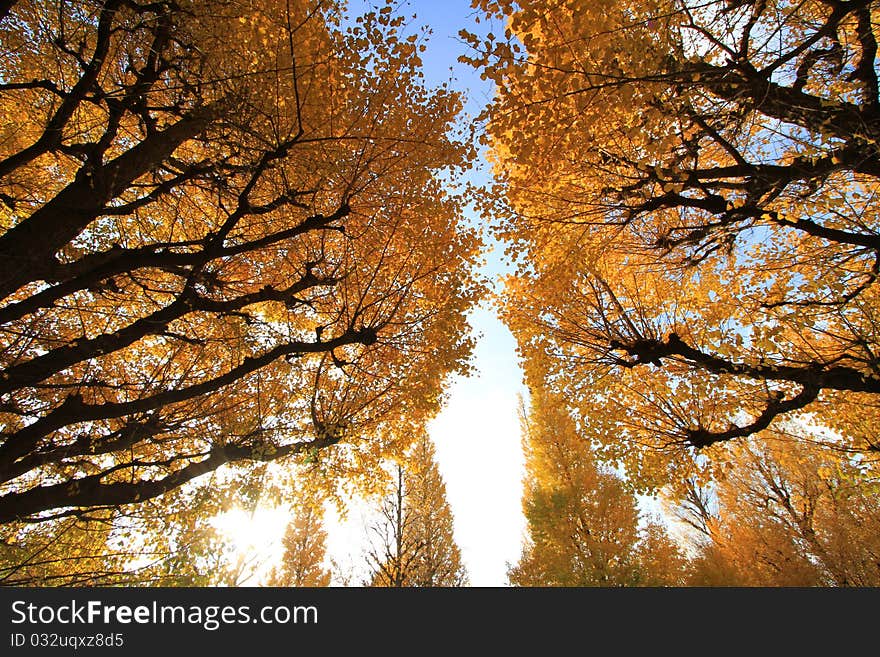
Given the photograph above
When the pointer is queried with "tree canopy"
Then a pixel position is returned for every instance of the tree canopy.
(690, 193)
(224, 240)
(305, 546)
(228, 242)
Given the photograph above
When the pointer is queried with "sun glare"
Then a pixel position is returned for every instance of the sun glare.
(255, 538)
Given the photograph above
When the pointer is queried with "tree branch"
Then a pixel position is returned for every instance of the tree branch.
(815, 375)
(776, 406)
(27, 251)
(74, 409)
(90, 491)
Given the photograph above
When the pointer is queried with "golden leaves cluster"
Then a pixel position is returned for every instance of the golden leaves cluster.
(684, 190)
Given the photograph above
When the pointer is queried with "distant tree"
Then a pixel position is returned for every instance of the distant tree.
(805, 517)
(413, 542)
(583, 523)
(305, 547)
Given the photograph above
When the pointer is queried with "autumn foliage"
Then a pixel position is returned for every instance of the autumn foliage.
(786, 518)
(412, 542)
(223, 242)
(227, 243)
(584, 524)
(690, 193)
(305, 546)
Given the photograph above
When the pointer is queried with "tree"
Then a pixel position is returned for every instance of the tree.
(583, 523)
(414, 543)
(792, 518)
(223, 242)
(305, 547)
(690, 192)
(172, 543)
(72, 554)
